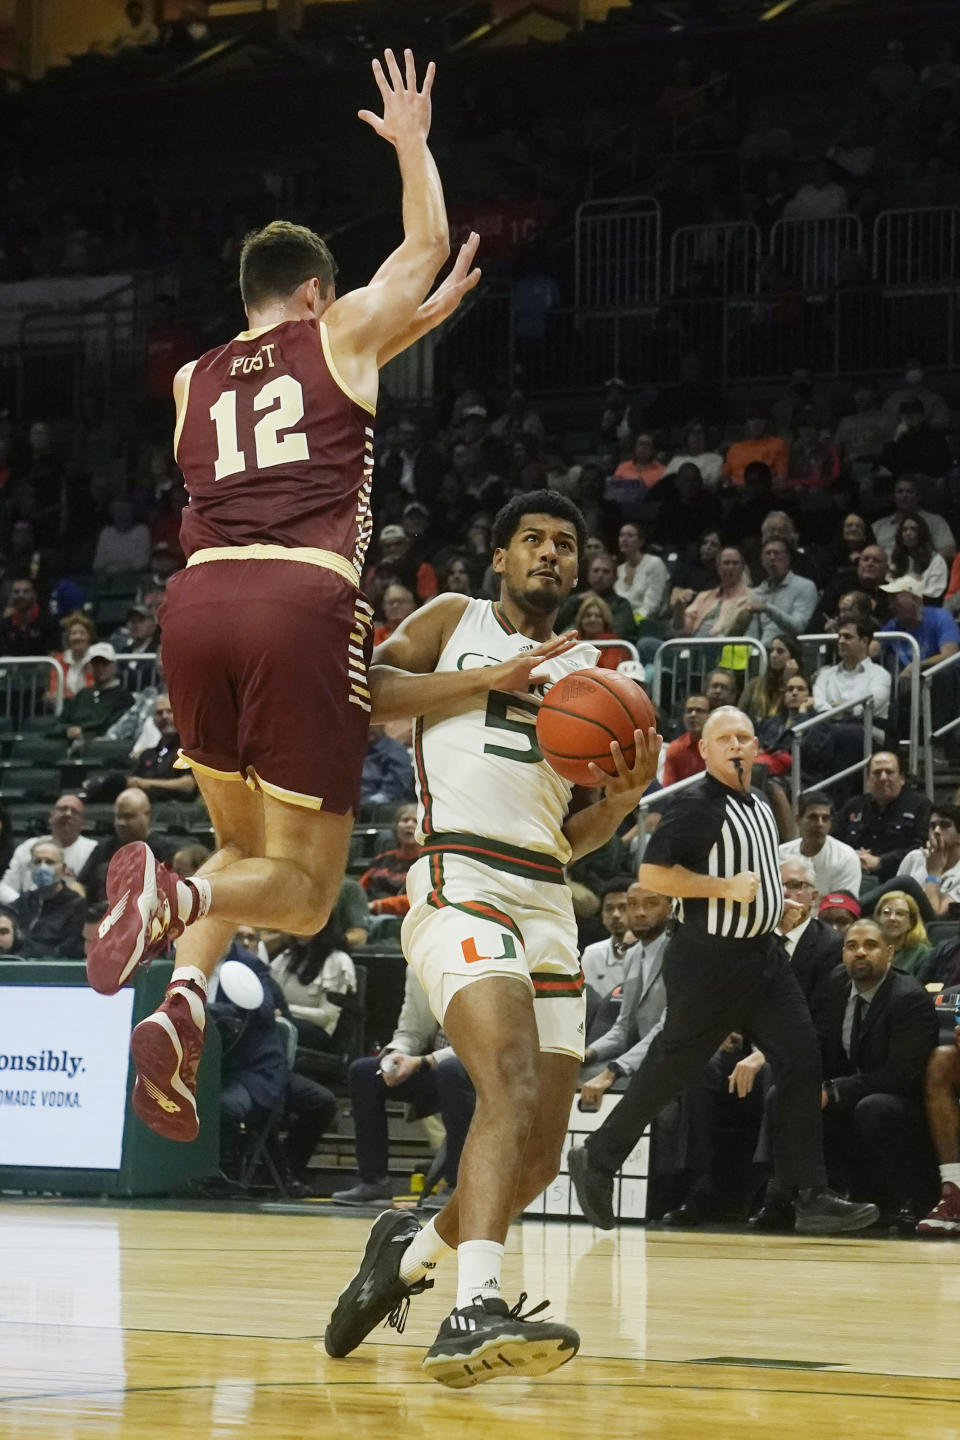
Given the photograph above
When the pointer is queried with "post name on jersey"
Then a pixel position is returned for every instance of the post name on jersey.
(250, 364)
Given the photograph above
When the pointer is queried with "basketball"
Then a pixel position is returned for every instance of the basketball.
(582, 714)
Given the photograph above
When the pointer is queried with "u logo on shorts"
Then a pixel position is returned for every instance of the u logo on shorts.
(471, 954)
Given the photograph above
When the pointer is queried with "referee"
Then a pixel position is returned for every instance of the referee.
(715, 851)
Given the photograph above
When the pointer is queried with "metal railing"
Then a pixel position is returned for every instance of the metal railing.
(617, 252)
(827, 717)
(741, 338)
(916, 247)
(138, 671)
(687, 650)
(30, 686)
(649, 802)
(729, 253)
(619, 241)
(809, 251)
(633, 654)
(929, 734)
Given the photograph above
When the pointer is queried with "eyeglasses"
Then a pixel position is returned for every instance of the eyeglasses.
(797, 885)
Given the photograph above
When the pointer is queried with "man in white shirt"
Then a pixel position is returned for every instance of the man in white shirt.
(66, 822)
(936, 867)
(835, 866)
(604, 963)
(820, 199)
(906, 499)
(856, 677)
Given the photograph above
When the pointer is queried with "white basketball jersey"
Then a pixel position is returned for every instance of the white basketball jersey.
(480, 774)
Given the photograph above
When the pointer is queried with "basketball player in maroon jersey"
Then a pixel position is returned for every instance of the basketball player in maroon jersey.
(266, 636)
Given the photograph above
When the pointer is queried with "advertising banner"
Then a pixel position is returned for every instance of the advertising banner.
(64, 1055)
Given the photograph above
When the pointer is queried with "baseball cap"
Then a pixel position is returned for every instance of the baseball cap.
(480, 411)
(102, 651)
(390, 533)
(839, 901)
(905, 585)
(137, 607)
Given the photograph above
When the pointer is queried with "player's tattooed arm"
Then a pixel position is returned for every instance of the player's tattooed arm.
(437, 307)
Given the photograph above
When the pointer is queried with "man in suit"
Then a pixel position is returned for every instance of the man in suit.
(877, 1028)
(622, 1048)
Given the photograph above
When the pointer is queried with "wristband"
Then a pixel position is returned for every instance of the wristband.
(931, 879)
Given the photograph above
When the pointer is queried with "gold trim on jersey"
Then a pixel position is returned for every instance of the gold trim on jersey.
(292, 797)
(258, 331)
(182, 409)
(184, 762)
(335, 373)
(303, 554)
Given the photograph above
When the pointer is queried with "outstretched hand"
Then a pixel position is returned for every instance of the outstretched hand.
(630, 781)
(458, 283)
(514, 674)
(406, 110)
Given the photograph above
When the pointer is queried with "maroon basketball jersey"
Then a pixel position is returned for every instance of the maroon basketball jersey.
(273, 448)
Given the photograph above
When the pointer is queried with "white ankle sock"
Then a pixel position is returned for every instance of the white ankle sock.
(193, 899)
(479, 1263)
(183, 973)
(950, 1174)
(424, 1253)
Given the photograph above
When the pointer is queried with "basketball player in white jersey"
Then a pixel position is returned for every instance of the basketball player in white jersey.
(490, 933)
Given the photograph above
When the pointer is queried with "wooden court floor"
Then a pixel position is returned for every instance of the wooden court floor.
(137, 1322)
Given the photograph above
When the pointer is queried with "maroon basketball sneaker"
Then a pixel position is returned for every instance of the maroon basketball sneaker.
(166, 1049)
(142, 915)
(944, 1218)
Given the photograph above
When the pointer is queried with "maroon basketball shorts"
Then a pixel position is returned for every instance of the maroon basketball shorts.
(266, 665)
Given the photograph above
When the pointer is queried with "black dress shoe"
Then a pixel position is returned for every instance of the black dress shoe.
(685, 1216)
(594, 1189)
(774, 1217)
(821, 1211)
(902, 1221)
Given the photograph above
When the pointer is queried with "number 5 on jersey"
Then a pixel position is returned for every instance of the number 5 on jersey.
(286, 394)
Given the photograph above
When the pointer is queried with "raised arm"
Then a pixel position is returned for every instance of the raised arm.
(360, 323)
(444, 300)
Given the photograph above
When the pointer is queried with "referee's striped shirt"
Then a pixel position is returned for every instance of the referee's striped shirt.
(713, 830)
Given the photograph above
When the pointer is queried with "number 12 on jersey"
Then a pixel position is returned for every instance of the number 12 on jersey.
(286, 395)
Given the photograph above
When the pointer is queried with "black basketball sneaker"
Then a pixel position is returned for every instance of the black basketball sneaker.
(376, 1292)
(485, 1339)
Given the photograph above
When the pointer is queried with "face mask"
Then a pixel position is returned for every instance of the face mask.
(44, 875)
(914, 377)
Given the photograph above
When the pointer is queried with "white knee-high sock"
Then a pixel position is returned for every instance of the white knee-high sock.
(950, 1174)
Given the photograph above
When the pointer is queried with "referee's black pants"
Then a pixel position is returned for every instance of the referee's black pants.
(715, 986)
